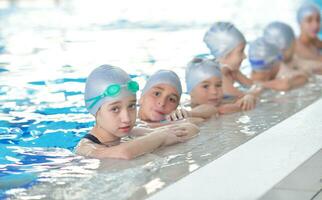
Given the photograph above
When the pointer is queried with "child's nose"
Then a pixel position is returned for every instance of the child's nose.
(125, 116)
(161, 102)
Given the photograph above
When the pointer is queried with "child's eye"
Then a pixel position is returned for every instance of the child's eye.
(205, 86)
(218, 85)
(115, 109)
(157, 94)
(132, 106)
(173, 100)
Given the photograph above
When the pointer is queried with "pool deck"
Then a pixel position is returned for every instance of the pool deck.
(284, 162)
(305, 182)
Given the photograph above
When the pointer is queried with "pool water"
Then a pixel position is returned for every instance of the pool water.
(46, 51)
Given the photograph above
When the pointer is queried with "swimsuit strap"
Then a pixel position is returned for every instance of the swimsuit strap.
(92, 138)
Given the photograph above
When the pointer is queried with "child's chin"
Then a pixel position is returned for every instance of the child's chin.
(123, 134)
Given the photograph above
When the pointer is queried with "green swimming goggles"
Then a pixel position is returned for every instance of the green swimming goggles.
(114, 90)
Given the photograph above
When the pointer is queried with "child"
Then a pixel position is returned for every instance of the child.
(308, 45)
(265, 60)
(227, 44)
(204, 84)
(160, 96)
(110, 96)
(282, 36)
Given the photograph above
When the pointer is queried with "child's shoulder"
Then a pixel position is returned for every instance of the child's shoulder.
(85, 147)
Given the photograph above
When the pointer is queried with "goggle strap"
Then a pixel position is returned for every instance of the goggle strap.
(95, 100)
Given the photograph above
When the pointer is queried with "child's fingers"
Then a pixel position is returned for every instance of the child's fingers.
(168, 118)
(174, 116)
(180, 114)
(180, 133)
(246, 106)
(184, 113)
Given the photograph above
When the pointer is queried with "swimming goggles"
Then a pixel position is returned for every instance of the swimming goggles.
(263, 63)
(114, 90)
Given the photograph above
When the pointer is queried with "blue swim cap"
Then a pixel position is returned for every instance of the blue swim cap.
(262, 54)
(200, 69)
(163, 77)
(97, 83)
(222, 38)
(307, 9)
(279, 34)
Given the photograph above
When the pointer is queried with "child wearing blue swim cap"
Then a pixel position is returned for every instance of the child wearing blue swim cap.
(226, 43)
(291, 69)
(160, 96)
(308, 44)
(265, 60)
(110, 96)
(204, 85)
(160, 99)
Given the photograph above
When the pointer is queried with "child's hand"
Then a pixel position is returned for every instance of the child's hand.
(256, 89)
(191, 131)
(179, 133)
(177, 115)
(205, 108)
(247, 102)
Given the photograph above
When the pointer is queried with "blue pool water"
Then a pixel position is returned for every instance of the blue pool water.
(47, 50)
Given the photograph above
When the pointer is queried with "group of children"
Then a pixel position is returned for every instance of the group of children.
(279, 61)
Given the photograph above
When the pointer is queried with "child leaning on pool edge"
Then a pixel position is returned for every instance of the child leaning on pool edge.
(204, 85)
(110, 96)
(226, 43)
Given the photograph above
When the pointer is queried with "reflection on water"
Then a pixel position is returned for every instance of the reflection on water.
(46, 52)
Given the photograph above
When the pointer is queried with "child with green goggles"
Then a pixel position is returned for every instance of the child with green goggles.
(110, 96)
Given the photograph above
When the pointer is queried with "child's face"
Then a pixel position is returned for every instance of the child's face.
(235, 57)
(288, 53)
(117, 117)
(311, 25)
(158, 102)
(207, 92)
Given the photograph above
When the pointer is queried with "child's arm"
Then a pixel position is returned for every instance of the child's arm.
(229, 108)
(298, 80)
(228, 86)
(287, 83)
(244, 80)
(139, 146)
(204, 111)
(277, 84)
(244, 103)
(141, 131)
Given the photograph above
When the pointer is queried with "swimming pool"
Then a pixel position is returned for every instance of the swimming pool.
(48, 50)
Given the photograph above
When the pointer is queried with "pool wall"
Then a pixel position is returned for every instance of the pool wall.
(250, 170)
